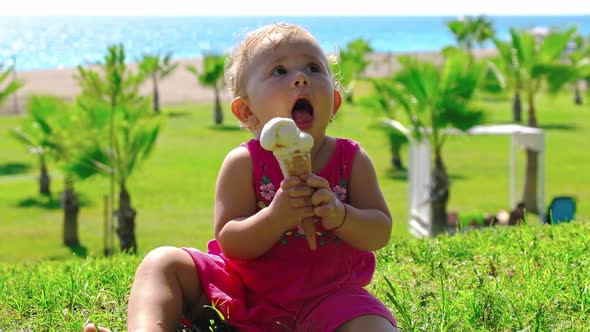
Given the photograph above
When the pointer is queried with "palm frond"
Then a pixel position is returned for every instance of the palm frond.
(558, 75)
(554, 44)
(9, 88)
(89, 162)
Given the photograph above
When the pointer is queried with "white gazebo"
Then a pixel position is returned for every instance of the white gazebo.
(420, 163)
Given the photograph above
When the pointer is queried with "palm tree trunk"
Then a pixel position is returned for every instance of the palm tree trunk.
(350, 97)
(516, 108)
(529, 196)
(113, 155)
(578, 95)
(156, 94)
(439, 195)
(396, 156)
(126, 217)
(217, 110)
(71, 206)
(44, 180)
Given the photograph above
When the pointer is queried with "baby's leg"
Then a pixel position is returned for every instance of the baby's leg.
(166, 286)
(91, 328)
(367, 323)
(347, 308)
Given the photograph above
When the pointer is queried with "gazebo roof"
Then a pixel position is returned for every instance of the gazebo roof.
(503, 129)
(529, 137)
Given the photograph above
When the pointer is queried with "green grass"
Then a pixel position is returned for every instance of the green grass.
(173, 190)
(522, 278)
(526, 278)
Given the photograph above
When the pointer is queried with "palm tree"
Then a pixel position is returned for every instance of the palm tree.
(379, 102)
(126, 132)
(579, 58)
(535, 62)
(436, 100)
(212, 76)
(7, 89)
(351, 64)
(470, 31)
(512, 71)
(158, 68)
(51, 131)
(38, 134)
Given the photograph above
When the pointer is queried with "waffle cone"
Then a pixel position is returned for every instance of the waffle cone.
(299, 164)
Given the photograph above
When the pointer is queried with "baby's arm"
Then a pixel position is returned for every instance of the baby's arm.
(365, 222)
(241, 232)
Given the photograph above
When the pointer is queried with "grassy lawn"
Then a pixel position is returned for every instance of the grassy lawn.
(522, 278)
(173, 190)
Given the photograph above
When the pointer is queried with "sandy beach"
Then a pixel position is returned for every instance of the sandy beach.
(178, 88)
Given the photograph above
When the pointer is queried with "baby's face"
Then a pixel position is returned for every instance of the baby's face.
(291, 79)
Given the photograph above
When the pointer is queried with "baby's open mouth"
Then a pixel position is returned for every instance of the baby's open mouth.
(302, 113)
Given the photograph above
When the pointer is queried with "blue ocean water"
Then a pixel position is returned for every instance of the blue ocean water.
(59, 42)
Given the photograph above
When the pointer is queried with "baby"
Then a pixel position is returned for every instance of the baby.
(259, 271)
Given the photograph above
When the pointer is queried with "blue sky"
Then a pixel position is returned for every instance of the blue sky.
(294, 7)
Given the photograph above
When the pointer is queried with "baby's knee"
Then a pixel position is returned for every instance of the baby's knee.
(92, 328)
(166, 257)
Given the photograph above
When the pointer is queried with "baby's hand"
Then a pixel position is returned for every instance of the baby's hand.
(326, 204)
(292, 202)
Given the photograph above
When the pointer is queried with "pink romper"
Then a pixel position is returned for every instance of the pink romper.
(304, 290)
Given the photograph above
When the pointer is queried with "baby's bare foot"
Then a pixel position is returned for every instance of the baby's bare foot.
(92, 328)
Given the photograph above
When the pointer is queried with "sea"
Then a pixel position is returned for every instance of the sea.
(32, 43)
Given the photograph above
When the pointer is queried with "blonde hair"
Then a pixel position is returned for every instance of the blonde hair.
(236, 63)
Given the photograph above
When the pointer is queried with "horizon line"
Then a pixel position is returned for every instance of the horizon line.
(292, 15)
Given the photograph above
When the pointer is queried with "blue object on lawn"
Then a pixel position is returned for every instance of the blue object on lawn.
(561, 209)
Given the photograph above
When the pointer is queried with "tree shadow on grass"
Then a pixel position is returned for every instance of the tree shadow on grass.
(402, 175)
(48, 202)
(13, 168)
(559, 126)
(79, 250)
(177, 114)
(224, 127)
(398, 174)
(457, 177)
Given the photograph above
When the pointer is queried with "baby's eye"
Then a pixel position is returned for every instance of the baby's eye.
(312, 67)
(279, 70)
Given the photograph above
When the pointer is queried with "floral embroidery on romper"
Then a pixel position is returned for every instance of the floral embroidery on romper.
(340, 191)
(268, 191)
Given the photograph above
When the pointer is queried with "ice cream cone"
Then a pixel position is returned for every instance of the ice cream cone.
(292, 149)
(296, 165)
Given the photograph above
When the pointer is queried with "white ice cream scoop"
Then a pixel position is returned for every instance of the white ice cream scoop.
(283, 138)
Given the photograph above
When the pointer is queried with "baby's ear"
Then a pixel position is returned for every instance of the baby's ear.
(241, 110)
(337, 102)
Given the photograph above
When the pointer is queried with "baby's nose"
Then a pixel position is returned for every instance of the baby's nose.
(299, 80)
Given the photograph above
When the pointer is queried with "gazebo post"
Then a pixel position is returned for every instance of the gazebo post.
(512, 183)
(419, 182)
